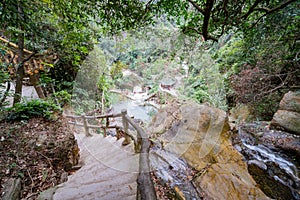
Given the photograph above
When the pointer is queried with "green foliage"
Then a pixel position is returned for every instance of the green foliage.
(116, 70)
(196, 88)
(34, 108)
(265, 108)
(154, 89)
(63, 97)
(103, 87)
(68, 28)
(212, 19)
(200, 96)
(92, 83)
(205, 83)
(4, 78)
(233, 56)
(82, 101)
(261, 65)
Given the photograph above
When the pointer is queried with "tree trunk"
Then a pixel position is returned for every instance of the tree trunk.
(20, 67)
(5, 94)
(34, 79)
(20, 70)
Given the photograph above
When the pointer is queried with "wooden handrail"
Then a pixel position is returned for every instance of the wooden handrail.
(14, 45)
(95, 117)
(145, 187)
(95, 126)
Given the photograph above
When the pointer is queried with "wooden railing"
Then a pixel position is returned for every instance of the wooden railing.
(145, 187)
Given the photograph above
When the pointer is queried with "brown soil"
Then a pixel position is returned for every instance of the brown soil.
(40, 152)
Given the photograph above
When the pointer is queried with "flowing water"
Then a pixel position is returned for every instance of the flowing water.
(173, 172)
(268, 163)
(135, 108)
(266, 155)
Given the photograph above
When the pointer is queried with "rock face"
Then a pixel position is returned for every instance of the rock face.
(200, 135)
(288, 115)
(130, 80)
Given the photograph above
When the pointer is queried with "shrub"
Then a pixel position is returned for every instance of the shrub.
(259, 89)
(63, 97)
(201, 96)
(34, 108)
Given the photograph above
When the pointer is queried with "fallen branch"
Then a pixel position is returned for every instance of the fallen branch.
(48, 159)
(32, 182)
(149, 96)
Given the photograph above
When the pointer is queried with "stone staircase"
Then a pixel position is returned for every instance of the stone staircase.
(109, 171)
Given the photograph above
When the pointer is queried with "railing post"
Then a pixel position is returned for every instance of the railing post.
(85, 124)
(125, 125)
(138, 145)
(106, 126)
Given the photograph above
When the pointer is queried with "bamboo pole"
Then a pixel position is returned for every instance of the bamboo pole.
(14, 45)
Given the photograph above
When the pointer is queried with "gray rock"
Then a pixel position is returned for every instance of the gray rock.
(47, 194)
(167, 82)
(290, 102)
(288, 115)
(129, 81)
(12, 189)
(288, 120)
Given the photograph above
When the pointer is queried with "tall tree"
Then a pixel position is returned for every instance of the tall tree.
(65, 27)
(68, 27)
(211, 18)
(20, 23)
(263, 62)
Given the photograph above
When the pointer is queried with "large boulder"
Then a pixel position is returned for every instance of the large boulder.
(200, 135)
(129, 80)
(288, 114)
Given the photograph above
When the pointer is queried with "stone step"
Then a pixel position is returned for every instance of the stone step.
(110, 171)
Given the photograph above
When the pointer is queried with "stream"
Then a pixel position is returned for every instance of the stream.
(135, 108)
(269, 159)
(173, 172)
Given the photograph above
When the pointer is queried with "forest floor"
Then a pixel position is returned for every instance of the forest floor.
(39, 152)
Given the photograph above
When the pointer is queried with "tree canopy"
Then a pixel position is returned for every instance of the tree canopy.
(68, 28)
(212, 19)
(265, 34)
